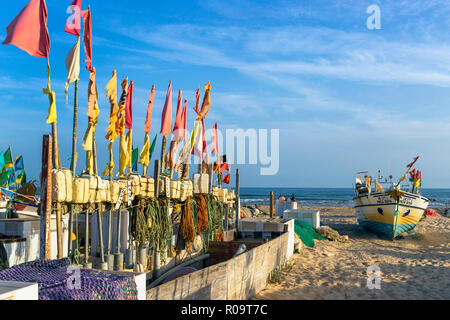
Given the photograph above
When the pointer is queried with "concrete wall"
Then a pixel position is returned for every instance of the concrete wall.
(238, 278)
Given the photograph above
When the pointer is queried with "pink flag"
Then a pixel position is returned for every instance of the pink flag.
(166, 119)
(197, 101)
(178, 127)
(148, 121)
(129, 107)
(205, 149)
(87, 37)
(184, 119)
(73, 24)
(28, 31)
(215, 141)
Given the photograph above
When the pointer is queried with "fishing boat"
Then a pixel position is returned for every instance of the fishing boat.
(392, 210)
(21, 203)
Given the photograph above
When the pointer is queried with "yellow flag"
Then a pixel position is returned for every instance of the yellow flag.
(129, 140)
(120, 123)
(87, 146)
(51, 118)
(144, 158)
(52, 108)
(378, 187)
(109, 169)
(87, 140)
(111, 92)
(206, 105)
(123, 156)
(194, 134)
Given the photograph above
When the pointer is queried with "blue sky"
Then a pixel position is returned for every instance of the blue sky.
(344, 97)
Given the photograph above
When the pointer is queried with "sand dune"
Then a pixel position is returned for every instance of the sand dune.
(415, 267)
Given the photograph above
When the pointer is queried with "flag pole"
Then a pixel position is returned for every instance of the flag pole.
(74, 130)
(55, 155)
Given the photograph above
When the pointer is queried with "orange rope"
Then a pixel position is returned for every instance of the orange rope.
(186, 227)
(202, 213)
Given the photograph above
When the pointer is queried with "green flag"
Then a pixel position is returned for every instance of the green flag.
(2, 160)
(134, 159)
(8, 158)
(4, 177)
(152, 147)
(22, 178)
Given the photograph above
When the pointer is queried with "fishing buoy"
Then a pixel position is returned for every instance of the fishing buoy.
(139, 267)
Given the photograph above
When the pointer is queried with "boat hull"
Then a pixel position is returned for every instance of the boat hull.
(376, 212)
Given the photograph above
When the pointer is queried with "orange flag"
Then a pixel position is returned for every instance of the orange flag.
(28, 31)
(166, 119)
(148, 121)
(178, 127)
(87, 37)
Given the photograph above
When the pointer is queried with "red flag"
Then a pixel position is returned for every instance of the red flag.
(73, 24)
(184, 119)
(412, 174)
(28, 31)
(226, 179)
(178, 119)
(166, 119)
(197, 101)
(412, 163)
(204, 137)
(129, 108)
(87, 37)
(148, 120)
(215, 141)
(224, 165)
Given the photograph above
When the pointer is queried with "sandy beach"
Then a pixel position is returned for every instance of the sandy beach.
(415, 267)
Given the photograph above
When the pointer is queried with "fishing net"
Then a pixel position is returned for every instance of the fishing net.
(57, 281)
(306, 233)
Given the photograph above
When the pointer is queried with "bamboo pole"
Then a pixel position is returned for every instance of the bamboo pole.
(73, 162)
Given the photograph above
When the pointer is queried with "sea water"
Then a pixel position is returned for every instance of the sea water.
(333, 197)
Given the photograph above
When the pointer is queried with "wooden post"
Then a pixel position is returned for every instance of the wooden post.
(59, 230)
(100, 232)
(210, 177)
(86, 237)
(226, 217)
(238, 203)
(46, 196)
(55, 147)
(163, 151)
(271, 204)
(94, 153)
(156, 260)
(156, 176)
